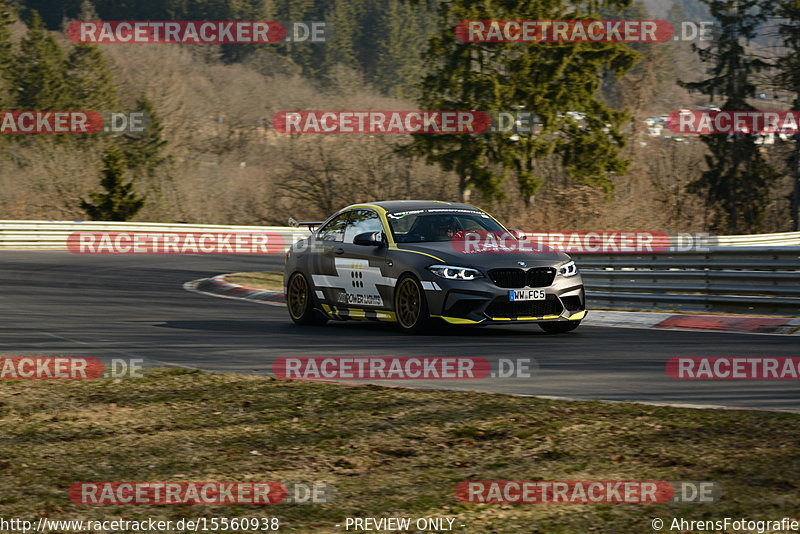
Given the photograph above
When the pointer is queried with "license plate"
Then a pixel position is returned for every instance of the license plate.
(526, 294)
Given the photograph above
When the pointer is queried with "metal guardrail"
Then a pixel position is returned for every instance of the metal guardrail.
(737, 277)
(763, 280)
(785, 239)
(53, 235)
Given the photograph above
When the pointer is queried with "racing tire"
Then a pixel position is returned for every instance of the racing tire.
(411, 306)
(560, 327)
(300, 302)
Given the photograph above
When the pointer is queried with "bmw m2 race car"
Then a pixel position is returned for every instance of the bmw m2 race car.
(418, 262)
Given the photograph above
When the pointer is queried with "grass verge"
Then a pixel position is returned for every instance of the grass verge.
(387, 451)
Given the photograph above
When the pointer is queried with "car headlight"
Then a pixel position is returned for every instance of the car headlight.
(568, 269)
(451, 272)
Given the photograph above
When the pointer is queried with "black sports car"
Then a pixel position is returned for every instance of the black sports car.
(414, 262)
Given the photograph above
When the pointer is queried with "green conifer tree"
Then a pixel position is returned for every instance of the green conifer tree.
(145, 151)
(41, 80)
(739, 179)
(8, 63)
(89, 80)
(119, 202)
(547, 79)
(789, 78)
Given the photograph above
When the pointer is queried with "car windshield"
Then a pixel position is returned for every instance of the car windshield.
(420, 226)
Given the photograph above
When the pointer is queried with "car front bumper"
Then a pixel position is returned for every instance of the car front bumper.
(482, 302)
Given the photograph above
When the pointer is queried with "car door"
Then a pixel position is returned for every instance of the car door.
(362, 269)
(326, 246)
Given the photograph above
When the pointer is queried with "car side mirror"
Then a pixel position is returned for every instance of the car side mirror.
(518, 233)
(369, 239)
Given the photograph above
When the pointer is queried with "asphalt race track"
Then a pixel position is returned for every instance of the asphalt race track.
(57, 303)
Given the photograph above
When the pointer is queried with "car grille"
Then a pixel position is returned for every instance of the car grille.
(517, 278)
(502, 307)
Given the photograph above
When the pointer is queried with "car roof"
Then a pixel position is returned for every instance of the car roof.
(403, 205)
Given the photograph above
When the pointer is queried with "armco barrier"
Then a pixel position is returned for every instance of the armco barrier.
(757, 273)
(53, 234)
(786, 239)
(764, 280)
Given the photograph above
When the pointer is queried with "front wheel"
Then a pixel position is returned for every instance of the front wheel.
(300, 302)
(559, 328)
(411, 306)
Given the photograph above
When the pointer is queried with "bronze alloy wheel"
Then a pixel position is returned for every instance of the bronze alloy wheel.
(297, 296)
(300, 303)
(410, 305)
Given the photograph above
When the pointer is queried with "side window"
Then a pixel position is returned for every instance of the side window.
(362, 221)
(334, 230)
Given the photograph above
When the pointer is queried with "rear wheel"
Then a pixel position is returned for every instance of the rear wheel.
(559, 328)
(411, 306)
(300, 302)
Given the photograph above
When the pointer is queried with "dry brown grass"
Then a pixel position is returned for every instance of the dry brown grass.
(387, 452)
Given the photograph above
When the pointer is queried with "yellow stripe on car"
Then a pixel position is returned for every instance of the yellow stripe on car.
(357, 313)
(381, 215)
(395, 247)
(386, 316)
(456, 320)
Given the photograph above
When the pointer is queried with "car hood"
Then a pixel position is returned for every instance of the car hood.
(486, 260)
